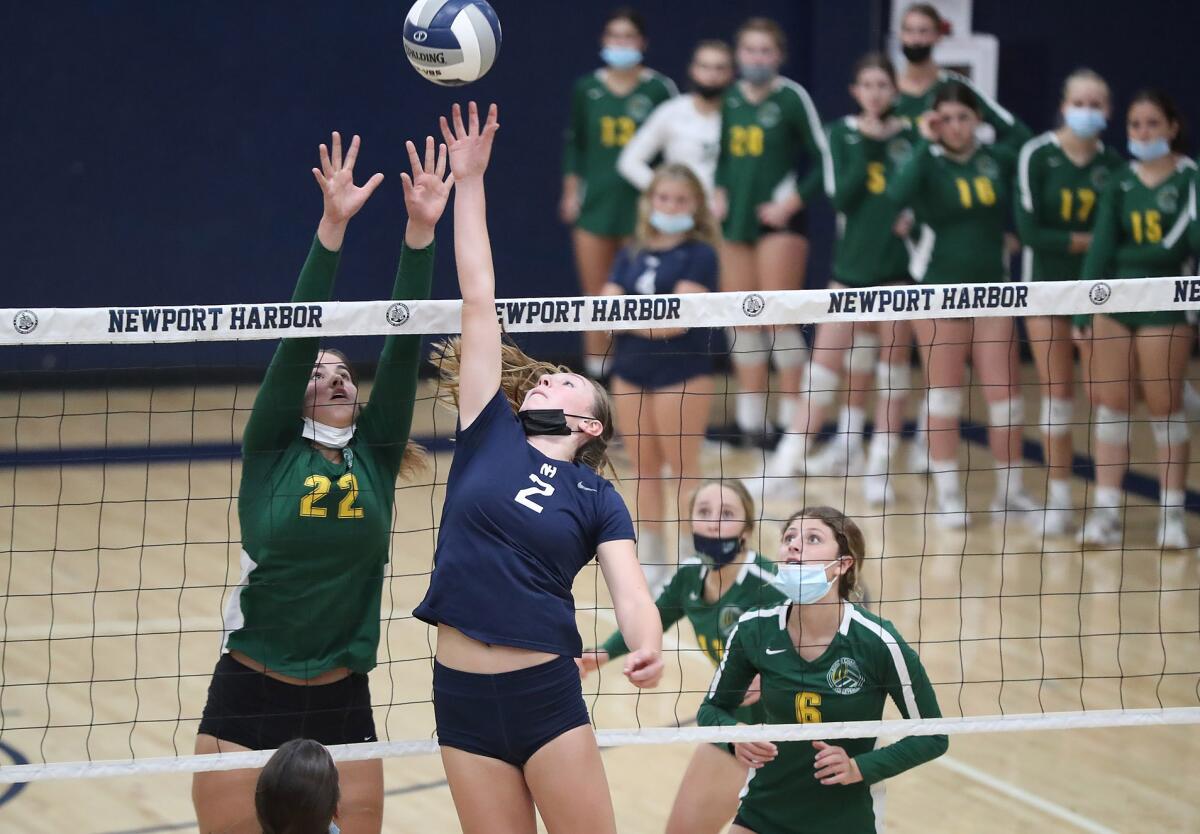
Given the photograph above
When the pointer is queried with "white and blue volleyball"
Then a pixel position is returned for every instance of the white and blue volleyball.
(452, 42)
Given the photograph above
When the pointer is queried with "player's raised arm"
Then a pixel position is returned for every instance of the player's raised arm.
(470, 148)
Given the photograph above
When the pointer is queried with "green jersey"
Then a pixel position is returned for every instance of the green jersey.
(1141, 232)
(315, 534)
(601, 123)
(961, 208)
(866, 662)
(761, 146)
(1055, 198)
(867, 252)
(1008, 131)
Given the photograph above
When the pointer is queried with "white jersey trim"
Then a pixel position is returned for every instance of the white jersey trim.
(234, 619)
(1027, 152)
(893, 647)
(818, 131)
(780, 611)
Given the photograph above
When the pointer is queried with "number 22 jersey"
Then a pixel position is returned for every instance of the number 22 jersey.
(517, 527)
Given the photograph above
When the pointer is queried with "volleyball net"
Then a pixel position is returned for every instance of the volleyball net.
(119, 539)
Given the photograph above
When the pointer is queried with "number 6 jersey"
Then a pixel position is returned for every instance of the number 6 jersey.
(517, 527)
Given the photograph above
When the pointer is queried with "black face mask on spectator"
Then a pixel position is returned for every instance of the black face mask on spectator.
(709, 91)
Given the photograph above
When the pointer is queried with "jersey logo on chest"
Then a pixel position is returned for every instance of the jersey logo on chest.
(844, 677)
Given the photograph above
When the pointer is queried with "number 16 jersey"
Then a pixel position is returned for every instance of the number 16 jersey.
(517, 527)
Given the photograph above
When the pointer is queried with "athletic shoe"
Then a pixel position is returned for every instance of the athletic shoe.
(1172, 530)
(1101, 528)
(1016, 502)
(1058, 522)
(951, 513)
(918, 455)
(837, 459)
(877, 490)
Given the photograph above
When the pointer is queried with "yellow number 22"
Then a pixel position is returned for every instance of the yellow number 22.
(320, 485)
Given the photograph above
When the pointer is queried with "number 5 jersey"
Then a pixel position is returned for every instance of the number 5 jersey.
(517, 527)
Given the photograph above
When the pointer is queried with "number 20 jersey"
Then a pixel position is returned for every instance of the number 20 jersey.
(517, 527)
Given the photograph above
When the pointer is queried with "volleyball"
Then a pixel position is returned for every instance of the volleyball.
(452, 42)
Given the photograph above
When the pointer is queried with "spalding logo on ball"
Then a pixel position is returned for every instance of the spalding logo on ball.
(452, 42)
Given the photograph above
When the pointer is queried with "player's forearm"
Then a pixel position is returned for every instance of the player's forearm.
(472, 247)
(713, 714)
(905, 754)
(639, 621)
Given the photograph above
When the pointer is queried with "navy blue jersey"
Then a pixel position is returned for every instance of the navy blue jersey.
(657, 363)
(516, 528)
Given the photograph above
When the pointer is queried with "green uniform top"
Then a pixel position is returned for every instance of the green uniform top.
(601, 123)
(1141, 232)
(315, 534)
(761, 145)
(865, 663)
(961, 209)
(1010, 131)
(867, 252)
(1055, 198)
(712, 621)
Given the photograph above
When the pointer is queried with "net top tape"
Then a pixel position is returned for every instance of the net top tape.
(1031, 722)
(232, 322)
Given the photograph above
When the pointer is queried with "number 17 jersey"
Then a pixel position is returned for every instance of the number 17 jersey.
(517, 527)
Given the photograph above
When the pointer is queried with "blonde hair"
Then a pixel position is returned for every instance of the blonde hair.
(705, 229)
(1086, 74)
(850, 543)
(519, 373)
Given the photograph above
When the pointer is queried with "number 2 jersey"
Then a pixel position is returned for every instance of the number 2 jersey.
(601, 124)
(866, 663)
(517, 527)
(315, 534)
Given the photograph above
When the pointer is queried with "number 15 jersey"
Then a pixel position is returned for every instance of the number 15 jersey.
(517, 527)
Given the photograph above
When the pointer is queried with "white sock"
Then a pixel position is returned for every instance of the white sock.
(945, 477)
(1058, 495)
(1010, 480)
(792, 447)
(1191, 400)
(1171, 498)
(650, 554)
(751, 412)
(786, 412)
(594, 365)
(1107, 499)
(879, 453)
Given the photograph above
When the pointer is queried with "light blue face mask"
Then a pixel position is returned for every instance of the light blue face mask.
(333, 828)
(621, 57)
(804, 584)
(1149, 151)
(1085, 122)
(757, 74)
(672, 224)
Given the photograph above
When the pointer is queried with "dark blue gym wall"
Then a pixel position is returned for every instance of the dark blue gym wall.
(159, 152)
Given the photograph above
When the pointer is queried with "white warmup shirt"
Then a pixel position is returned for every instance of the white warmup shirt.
(681, 134)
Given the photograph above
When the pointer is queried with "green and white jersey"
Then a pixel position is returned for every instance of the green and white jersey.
(600, 125)
(712, 622)
(961, 208)
(1055, 198)
(1141, 232)
(315, 534)
(762, 145)
(1008, 131)
(867, 252)
(866, 663)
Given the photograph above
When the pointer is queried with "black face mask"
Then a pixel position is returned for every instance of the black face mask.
(716, 552)
(709, 91)
(547, 421)
(917, 53)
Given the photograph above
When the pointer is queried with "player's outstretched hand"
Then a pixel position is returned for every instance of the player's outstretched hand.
(592, 660)
(644, 668)
(755, 754)
(428, 189)
(833, 766)
(470, 147)
(342, 197)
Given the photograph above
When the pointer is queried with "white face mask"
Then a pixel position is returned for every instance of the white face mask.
(803, 583)
(326, 435)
